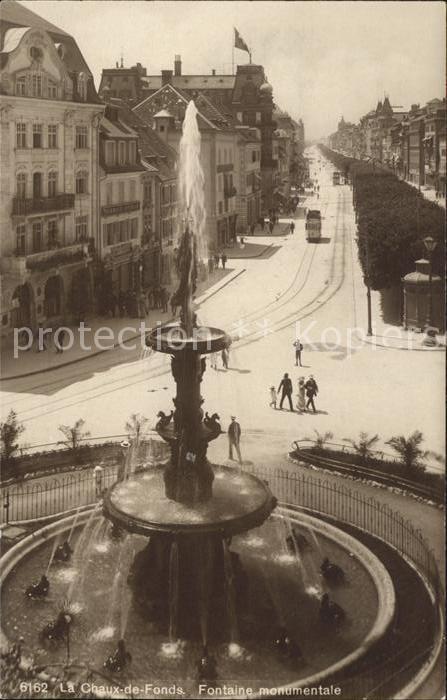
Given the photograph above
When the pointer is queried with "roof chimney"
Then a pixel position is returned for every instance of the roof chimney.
(166, 77)
(213, 72)
(177, 65)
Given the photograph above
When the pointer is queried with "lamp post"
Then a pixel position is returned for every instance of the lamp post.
(430, 245)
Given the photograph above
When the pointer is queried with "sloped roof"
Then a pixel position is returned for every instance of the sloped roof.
(153, 149)
(15, 13)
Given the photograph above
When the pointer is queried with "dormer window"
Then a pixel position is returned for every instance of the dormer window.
(21, 86)
(52, 90)
(36, 85)
(82, 87)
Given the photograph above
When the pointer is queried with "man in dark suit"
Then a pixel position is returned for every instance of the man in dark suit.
(287, 390)
(234, 438)
(311, 391)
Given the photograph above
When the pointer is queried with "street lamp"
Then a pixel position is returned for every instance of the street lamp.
(430, 245)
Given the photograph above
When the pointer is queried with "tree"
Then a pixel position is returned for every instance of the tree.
(364, 445)
(10, 429)
(135, 425)
(73, 435)
(321, 438)
(409, 450)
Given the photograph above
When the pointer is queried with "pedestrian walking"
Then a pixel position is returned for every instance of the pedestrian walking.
(262, 223)
(210, 265)
(216, 260)
(173, 305)
(292, 227)
(301, 396)
(225, 356)
(273, 397)
(224, 260)
(287, 390)
(252, 229)
(234, 438)
(164, 300)
(271, 226)
(98, 473)
(298, 350)
(311, 392)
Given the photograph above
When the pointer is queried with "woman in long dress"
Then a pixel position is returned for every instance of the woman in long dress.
(301, 396)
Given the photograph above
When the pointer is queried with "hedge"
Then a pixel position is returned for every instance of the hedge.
(393, 218)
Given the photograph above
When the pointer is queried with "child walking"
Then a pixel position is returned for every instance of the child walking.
(273, 397)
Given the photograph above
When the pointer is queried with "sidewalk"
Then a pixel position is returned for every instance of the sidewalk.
(428, 193)
(109, 332)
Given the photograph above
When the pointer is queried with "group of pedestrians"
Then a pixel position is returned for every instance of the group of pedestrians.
(216, 259)
(43, 338)
(307, 391)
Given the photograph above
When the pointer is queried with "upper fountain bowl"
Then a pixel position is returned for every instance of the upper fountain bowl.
(173, 339)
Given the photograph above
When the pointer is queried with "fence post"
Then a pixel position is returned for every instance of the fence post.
(6, 507)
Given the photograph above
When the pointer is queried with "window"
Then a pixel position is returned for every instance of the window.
(81, 183)
(21, 239)
(21, 86)
(21, 135)
(133, 228)
(21, 186)
(121, 191)
(52, 184)
(109, 193)
(254, 156)
(121, 152)
(110, 153)
(36, 53)
(82, 87)
(37, 136)
(37, 237)
(173, 193)
(220, 208)
(81, 137)
(52, 90)
(81, 228)
(132, 152)
(52, 234)
(133, 191)
(36, 85)
(147, 192)
(52, 136)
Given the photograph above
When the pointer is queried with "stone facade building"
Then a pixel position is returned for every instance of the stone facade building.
(50, 115)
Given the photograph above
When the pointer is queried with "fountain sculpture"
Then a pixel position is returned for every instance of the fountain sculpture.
(189, 508)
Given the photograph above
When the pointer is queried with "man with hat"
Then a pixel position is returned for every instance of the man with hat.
(311, 391)
(234, 437)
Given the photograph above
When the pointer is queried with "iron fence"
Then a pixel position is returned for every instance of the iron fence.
(53, 495)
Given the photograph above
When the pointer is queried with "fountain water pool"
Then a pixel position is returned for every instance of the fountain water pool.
(241, 643)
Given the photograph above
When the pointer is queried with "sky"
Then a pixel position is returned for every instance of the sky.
(323, 59)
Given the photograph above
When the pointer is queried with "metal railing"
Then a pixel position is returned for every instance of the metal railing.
(52, 495)
(35, 205)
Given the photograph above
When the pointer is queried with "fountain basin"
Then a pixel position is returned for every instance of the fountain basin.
(240, 501)
(274, 579)
(173, 339)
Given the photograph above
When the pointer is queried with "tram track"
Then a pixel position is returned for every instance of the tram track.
(297, 314)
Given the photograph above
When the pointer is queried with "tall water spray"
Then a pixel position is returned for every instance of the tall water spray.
(192, 179)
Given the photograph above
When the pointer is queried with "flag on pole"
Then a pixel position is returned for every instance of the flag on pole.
(239, 43)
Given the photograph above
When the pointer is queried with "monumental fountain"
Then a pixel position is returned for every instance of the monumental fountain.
(185, 573)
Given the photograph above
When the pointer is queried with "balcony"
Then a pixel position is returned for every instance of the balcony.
(113, 209)
(20, 263)
(61, 202)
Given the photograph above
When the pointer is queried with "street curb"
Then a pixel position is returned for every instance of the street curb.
(374, 343)
(249, 257)
(112, 347)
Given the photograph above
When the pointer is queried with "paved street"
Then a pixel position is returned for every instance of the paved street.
(318, 287)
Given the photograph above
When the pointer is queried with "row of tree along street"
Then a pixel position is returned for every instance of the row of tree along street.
(393, 218)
